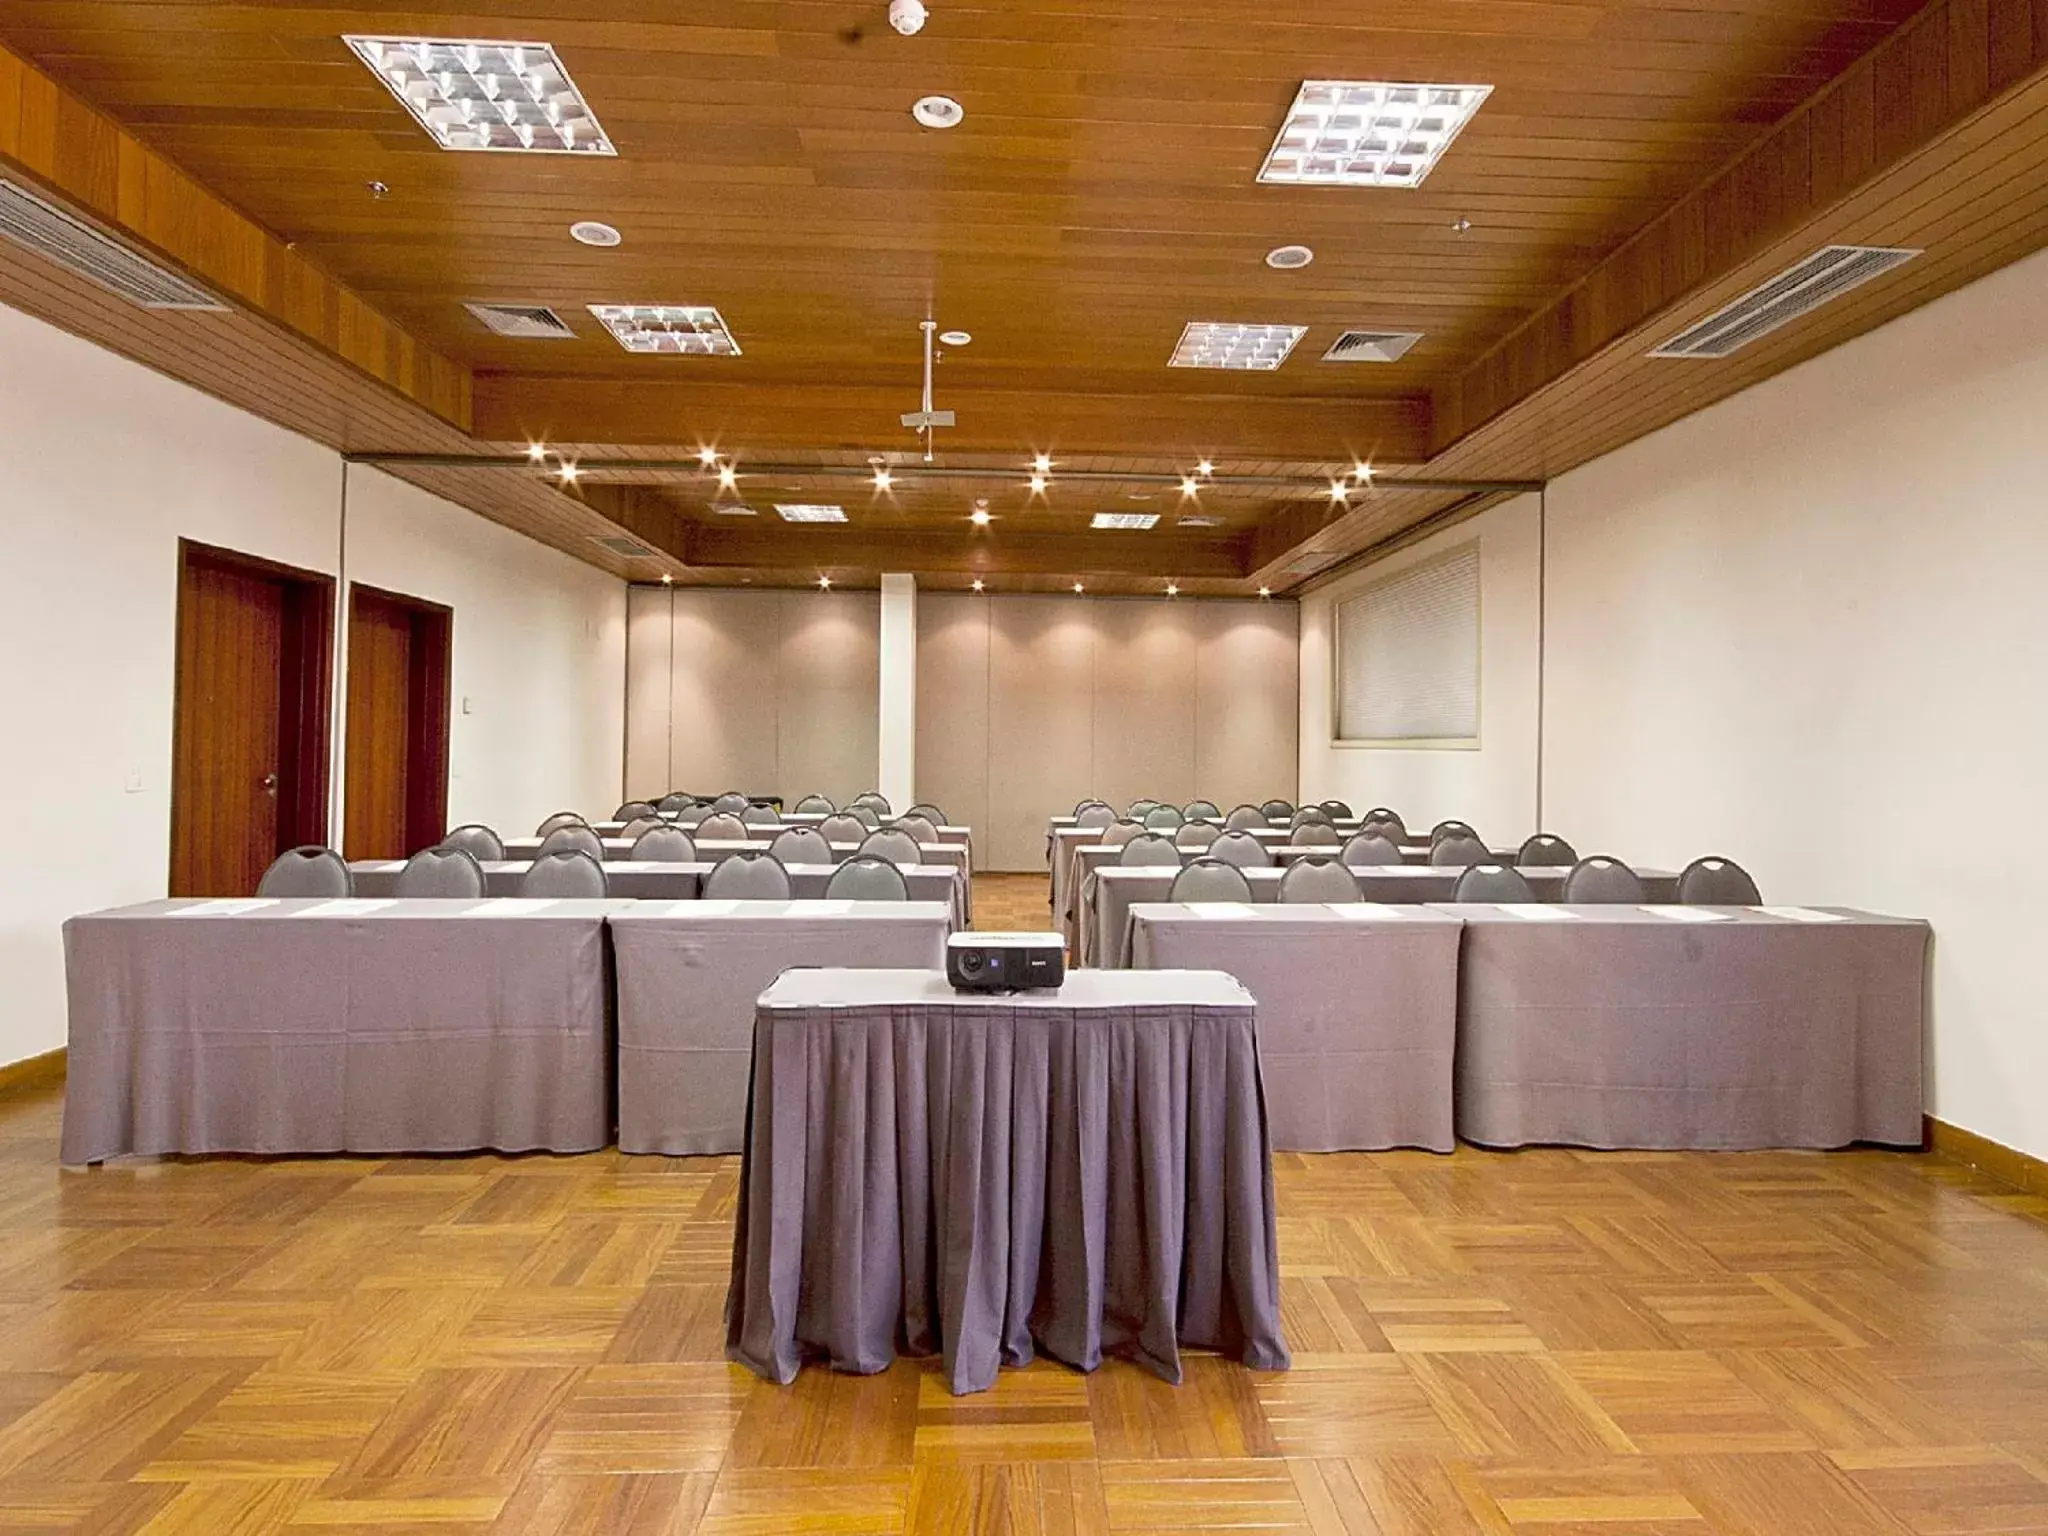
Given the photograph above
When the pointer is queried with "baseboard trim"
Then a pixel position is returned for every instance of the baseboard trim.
(2007, 1164)
(44, 1071)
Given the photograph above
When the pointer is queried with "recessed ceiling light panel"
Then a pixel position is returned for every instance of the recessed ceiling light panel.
(590, 232)
(938, 112)
(1368, 133)
(686, 330)
(808, 512)
(1124, 520)
(1218, 344)
(513, 97)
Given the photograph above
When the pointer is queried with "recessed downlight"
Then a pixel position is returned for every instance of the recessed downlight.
(590, 232)
(938, 111)
(1289, 258)
(955, 338)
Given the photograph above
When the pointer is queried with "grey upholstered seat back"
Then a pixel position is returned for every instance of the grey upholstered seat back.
(1315, 834)
(634, 810)
(815, 805)
(666, 845)
(721, 827)
(566, 873)
(1386, 813)
(640, 824)
(1117, 833)
(1717, 882)
(1444, 829)
(929, 812)
(875, 801)
(1094, 814)
(1546, 851)
(866, 878)
(731, 803)
(1491, 882)
(922, 828)
(674, 802)
(307, 871)
(747, 877)
(843, 828)
(803, 845)
(1201, 810)
(694, 814)
(1307, 814)
(1278, 810)
(1602, 878)
(1197, 834)
(1163, 818)
(1318, 880)
(1210, 880)
(1141, 808)
(761, 816)
(476, 840)
(580, 838)
(1368, 849)
(1458, 851)
(559, 819)
(1338, 810)
(1245, 817)
(442, 871)
(895, 846)
(865, 814)
(1241, 849)
(1149, 848)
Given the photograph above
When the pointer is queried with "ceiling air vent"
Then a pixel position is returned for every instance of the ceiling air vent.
(1371, 346)
(1827, 274)
(625, 547)
(526, 322)
(80, 247)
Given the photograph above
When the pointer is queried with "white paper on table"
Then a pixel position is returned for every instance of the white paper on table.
(1679, 914)
(513, 906)
(1218, 909)
(1368, 911)
(820, 908)
(1801, 914)
(348, 906)
(227, 907)
(1536, 912)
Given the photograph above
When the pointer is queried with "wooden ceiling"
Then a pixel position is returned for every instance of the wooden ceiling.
(1635, 158)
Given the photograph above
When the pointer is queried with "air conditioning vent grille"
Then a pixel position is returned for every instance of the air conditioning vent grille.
(1802, 288)
(525, 322)
(1371, 346)
(81, 248)
(626, 547)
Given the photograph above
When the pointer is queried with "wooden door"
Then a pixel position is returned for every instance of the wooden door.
(396, 780)
(248, 771)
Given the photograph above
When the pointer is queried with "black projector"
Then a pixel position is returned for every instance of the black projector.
(1004, 962)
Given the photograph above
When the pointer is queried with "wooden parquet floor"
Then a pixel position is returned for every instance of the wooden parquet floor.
(1547, 1343)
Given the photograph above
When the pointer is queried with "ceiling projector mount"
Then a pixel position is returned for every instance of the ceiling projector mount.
(922, 421)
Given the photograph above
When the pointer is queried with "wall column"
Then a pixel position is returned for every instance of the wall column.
(896, 775)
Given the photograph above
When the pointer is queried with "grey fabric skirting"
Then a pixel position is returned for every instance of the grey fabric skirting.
(1083, 1172)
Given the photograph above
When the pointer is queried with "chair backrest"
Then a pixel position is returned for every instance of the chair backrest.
(896, 846)
(665, 844)
(1197, 834)
(559, 819)
(635, 810)
(1444, 829)
(640, 824)
(1201, 810)
(476, 840)
(567, 872)
(929, 812)
(866, 815)
(442, 871)
(923, 828)
(1338, 810)
(307, 871)
(1318, 880)
(1601, 878)
(1310, 813)
(1492, 882)
(1082, 805)
(747, 877)
(1315, 834)
(721, 827)
(579, 837)
(1459, 851)
(875, 801)
(673, 802)
(1094, 814)
(1717, 882)
(1210, 880)
(843, 828)
(1277, 810)
(1388, 815)
(761, 816)
(815, 805)
(1149, 848)
(865, 878)
(731, 803)
(1241, 849)
(1117, 833)
(1546, 850)
(1245, 817)
(695, 814)
(804, 845)
(1141, 808)
(1163, 818)
(1369, 848)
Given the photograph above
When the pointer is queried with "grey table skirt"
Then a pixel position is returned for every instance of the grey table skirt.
(1358, 1012)
(354, 1026)
(1723, 1027)
(1084, 1172)
(688, 976)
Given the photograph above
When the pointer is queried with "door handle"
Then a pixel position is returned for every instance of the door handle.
(269, 782)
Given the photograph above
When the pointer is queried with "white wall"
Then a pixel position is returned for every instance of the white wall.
(1492, 786)
(109, 465)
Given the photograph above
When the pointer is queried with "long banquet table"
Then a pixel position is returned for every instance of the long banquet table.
(1710, 1027)
(1083, 1171)
(688, 976)
(357, 1025)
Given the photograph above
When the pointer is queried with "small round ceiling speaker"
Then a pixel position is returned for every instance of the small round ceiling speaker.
(590, 232)
(1289, 258)
(938, 112)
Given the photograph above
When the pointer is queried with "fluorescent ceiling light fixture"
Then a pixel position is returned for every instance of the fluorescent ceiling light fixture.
(809, 512)
(690, 330)
(1368, 133)
(515, 97)
(1124, 519)
(1203, 521)
(1218, 344)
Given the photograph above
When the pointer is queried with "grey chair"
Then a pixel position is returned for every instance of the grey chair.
(1117, 833)
(897, 847)
(866, 815)
(802, 845)
(1387, 814)
(1142, 807)
(1546, 850)
(761, 816)
(731, 803)
(1492, 882)
(580, 838)
(1368, 849)
(1163, 818)
(923, 828)
(747, 877)
(1148, 848)
(1244, 818)
(567, 873)
(640, 824)
(1094, 814)
(674, 803)
(843, 828)
(1445, 829)
(666, 845)
(476, 840)
(1277, 810)
(695, 814)
(1201, 810)
(307, 871)
(1310, 813)
(1459, 852)
(875, 801)
(1601, 879)
(636, 810)
(1197, 834)
(1318, 880)
(443, 871)
(1338, 810)
(559, 819)
(864, 878)
(720, 827)
(1082, 805)
(1210, 880)
(929, 812)
(815, 805)
(1241, 849)
(1315, 834)
(1717, 882)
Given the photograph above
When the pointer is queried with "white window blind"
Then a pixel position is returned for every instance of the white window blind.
(1408, 654)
